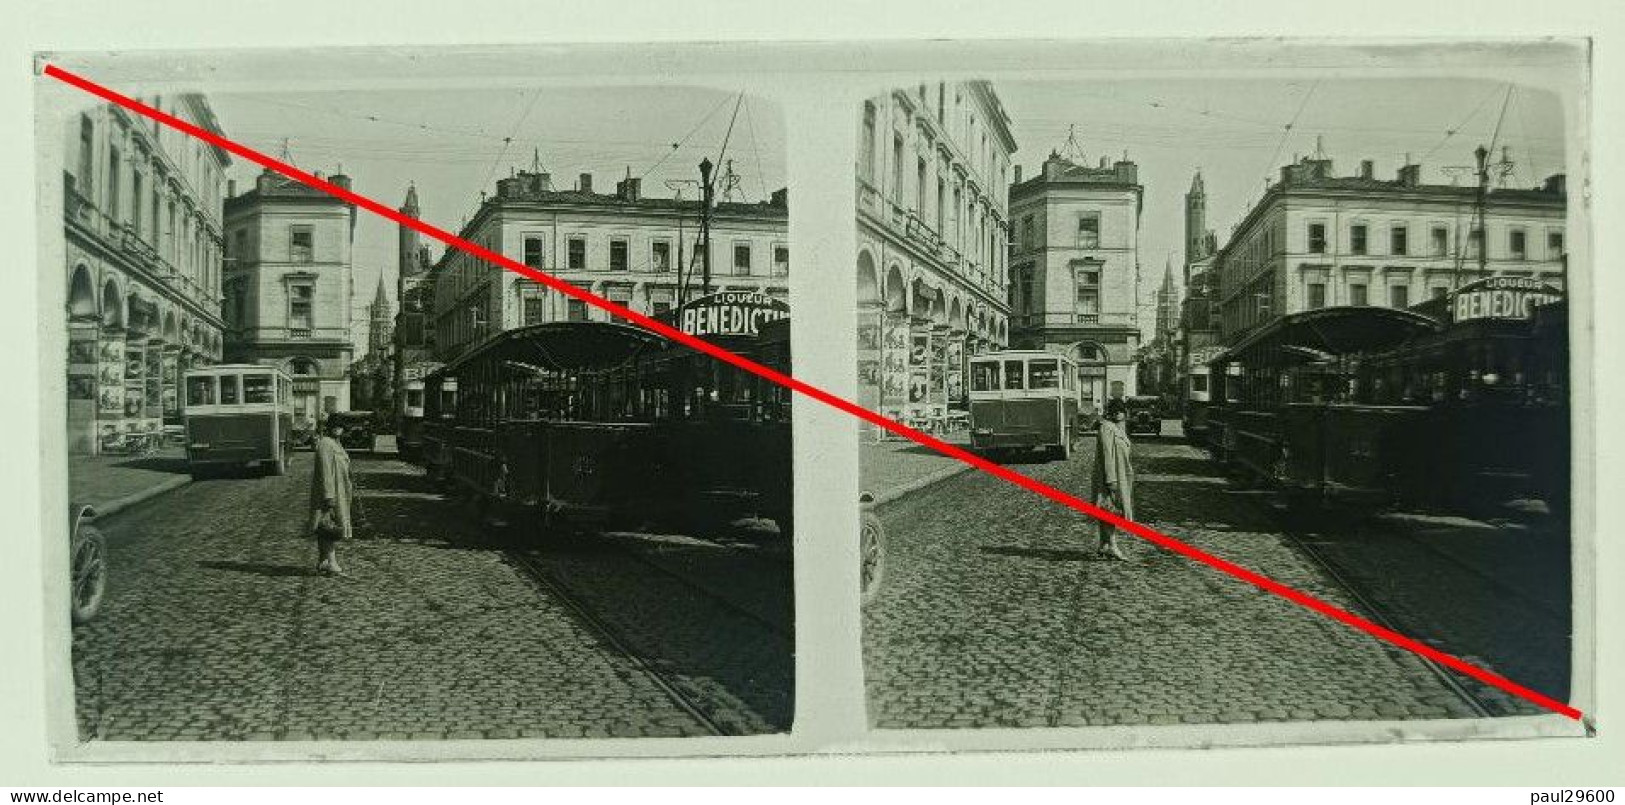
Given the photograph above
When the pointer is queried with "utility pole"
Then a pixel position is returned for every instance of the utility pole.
(705, 226)
(1483, 190)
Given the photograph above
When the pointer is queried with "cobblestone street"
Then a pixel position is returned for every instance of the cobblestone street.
(216, 628)
(996, 613)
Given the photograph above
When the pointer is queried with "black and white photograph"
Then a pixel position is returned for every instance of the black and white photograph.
(333, 480)
(1315, 325)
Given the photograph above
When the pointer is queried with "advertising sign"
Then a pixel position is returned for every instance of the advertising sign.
(956, 369)
(894, 376)
(1501, 298)
(730, 313)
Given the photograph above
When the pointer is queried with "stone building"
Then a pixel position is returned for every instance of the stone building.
(1316, 239)
(288, 288)
(622, 246)
(141, 206)
(1075, 270)
(933, 172)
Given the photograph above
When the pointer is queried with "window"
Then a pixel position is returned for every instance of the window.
(660, 307)
(300, 300)
(866, 149)
(984, 376)
(1357, 238)
(919, 188)
(578, 254)
(300, 247)
(1089, 231)
(1439, 241)
(112, 184)
(1013, 375)
(617, 254)
(1199, 384)
(534, 255)
(1475, 241)
(742, 259)
(1044, 374)
(1357, 296)
(575, 309)
(1438, 292)
(200, 390)
(942, 200)
(1399, 239)
(136, 193)
(258, 389)
(660, 255)
(535, 307)
(1517, 244)
(1317, 238)
(1027, 233)
(229, 390)
(1317, 295)
(87, 156)
(781, 260)
(897, 170)
(1554, 245)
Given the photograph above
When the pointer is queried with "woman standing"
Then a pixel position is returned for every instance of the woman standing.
(1113, 478)
(330, 498)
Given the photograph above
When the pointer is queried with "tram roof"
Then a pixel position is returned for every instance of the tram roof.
(561, 346)
(1332, 331)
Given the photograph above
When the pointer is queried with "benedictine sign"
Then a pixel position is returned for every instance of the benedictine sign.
(1501, 298)
(730, 313)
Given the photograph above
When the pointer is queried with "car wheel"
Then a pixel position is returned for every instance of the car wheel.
(89, 573)
(871, 557)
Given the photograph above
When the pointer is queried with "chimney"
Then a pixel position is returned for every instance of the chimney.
(629, 189)
(1410, 176)
(586, 183)
(340, 180)
(1367, 169)
(1556, 183)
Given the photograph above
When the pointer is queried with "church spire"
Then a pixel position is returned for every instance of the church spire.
(380, 300)
(411, 205)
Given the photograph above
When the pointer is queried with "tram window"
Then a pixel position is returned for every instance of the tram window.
(1199, 384)
(1013, 375)
(200, 390)
(984, 376)
(228, 390)
(414, 398)
(257, 389)
(1045, 374)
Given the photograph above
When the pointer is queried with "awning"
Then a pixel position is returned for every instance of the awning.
(1330, 332)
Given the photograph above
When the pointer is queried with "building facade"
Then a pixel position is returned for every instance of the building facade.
(289, 285)
(932, 264)
(141, 207)
(372, 379)
(621, 246)
(1318, 240)
(1075, 271)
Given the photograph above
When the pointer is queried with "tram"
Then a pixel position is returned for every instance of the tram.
(604, 424)
(1289, 407)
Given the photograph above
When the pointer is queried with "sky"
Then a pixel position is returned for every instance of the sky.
(1236, 133)
(451, 144)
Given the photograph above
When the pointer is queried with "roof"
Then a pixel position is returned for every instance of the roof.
(563, 346)
(1331, 331)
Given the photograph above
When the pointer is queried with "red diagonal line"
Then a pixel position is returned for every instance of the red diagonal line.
(832, 400)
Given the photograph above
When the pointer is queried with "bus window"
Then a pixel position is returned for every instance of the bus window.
(1044, 374)
(258, 389)
(1013, 375)
(228, 390)
(984, 376)
(200, 390)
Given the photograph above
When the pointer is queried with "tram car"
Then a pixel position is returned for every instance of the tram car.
(1289, 410)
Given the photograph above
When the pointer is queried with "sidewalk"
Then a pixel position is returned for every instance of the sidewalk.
(114, 483)
(893, 468)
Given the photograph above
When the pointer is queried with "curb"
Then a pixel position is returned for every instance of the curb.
(120, 504)
(920, 483)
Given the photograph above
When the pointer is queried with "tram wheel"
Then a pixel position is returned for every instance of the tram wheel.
(871, 557)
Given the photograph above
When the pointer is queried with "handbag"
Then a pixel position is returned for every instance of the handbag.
(328, 525)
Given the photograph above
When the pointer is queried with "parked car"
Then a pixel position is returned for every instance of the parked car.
(303, 434)
(360, 429)
(1144, 415)
(87, 563)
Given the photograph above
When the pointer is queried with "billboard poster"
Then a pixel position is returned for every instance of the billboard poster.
(110, 379)
(939, 375)
(919, 377)
(956, 369)
(894, 366)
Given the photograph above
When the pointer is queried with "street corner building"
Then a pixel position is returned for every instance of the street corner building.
(933, 173)
(289, 282)
(143, 235)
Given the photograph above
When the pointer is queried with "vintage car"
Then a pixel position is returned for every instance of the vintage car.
(1144, 415)
(87, 564)
(359, 429)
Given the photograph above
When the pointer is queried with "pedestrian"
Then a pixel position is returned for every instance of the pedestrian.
(1113, 478)
(330, 497)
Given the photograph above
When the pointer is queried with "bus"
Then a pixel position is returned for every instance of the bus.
(238, 415)
(1024, 400)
